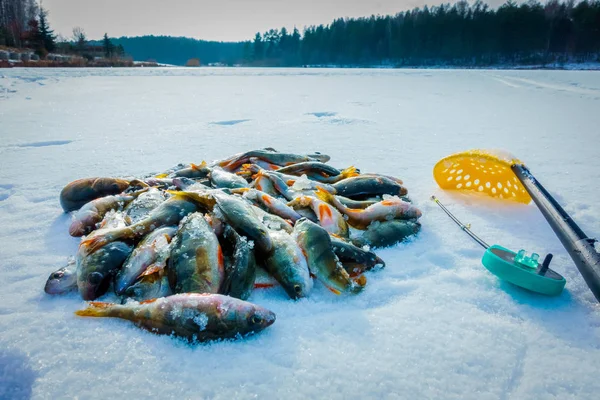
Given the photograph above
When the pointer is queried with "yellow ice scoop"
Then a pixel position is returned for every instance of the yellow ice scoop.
(483, 171)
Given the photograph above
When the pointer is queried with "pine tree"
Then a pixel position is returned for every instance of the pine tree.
(47, 36)
(109, 48)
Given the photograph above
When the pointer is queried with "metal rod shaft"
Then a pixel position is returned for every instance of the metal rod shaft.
(575, 241)
(460, 224)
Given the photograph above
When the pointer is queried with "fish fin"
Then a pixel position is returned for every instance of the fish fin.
(220, 258)
(266, 198)
(92, 244)
(334, 291)
(239, 190)
(350, 172)
(148, 301)
(198, 167)
(388, 202)
(325, 212)
(159, 176)
(263, 285)
(324, 195)
(152, 269)
(95, 309)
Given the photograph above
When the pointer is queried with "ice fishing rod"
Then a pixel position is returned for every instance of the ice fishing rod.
(466, 228)
(517, 268)
(499, 174)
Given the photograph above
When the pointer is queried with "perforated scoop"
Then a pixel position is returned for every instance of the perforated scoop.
(484, 171)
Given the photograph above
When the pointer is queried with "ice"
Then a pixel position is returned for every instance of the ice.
(433, 324)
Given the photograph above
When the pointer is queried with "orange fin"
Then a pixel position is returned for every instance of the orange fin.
(335, 291)
(198, 167)
(95, 309)
(349, 172)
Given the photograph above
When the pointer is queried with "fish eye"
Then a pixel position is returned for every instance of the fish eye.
(95, 278)
(255, 320)
(57, 275)
(298, 289)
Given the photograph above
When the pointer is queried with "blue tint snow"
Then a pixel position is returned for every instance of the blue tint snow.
(433, 324)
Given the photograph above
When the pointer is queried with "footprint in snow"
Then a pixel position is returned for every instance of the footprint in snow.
(46, 143)
(321, 114)
(230, 122)
(6, 190)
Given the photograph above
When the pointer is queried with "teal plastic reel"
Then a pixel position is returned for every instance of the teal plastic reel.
(524, 271)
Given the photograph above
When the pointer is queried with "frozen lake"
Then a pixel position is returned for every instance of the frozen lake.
(433, 324)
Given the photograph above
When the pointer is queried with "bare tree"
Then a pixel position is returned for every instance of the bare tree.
(79, 38)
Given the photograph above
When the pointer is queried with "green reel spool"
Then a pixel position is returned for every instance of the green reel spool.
(523, 271)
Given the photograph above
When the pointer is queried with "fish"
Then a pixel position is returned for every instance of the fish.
(77, 193)
(329, 218)
(168, 213)
(153, 250)
(357, 203)
(265, 185)
(95, 270)
(196, 263)
(240, 216)
(223, 179)
(299, 185)
(264, 164)
(187, 184)
(192, 171)
(288, 265)
(86, 218)
(192, 316)
(63, 280)
(271, 221)
(368, 186)
(319, 172)
(386, 234)
(153, 283)
(281, 159)
(385, 210)
(240, 265)
(270, 204)
(355, 260)
(306, 167)
(315, 243)
(139, 208)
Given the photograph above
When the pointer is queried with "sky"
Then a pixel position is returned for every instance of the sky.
(222, 20)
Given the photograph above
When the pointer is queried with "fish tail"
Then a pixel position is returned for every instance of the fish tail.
(90, 245)
(349, 172)
(96, 309)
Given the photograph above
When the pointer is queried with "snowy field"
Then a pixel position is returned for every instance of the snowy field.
(433, 324)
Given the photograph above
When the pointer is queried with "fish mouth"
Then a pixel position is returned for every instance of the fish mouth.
(77, 229)
(269, 318)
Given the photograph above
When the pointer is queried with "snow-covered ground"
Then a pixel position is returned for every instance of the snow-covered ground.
(433, 324)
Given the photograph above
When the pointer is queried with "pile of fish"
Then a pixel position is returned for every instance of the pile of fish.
(184, 249)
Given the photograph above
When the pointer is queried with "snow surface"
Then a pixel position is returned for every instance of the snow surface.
(432, 324)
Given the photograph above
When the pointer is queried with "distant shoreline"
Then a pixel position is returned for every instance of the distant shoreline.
(143, 64)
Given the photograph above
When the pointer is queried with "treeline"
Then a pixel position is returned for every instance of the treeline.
(178, 50)
(24, 24)
(458, 34)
